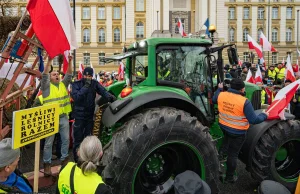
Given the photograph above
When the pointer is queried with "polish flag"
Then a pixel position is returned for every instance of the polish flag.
(253, 45)
(266, 45)
(289, 73)
(53, 25)
(94, 74)
(240, 63)
(180, 27)
(80, 72)
(66, 61)
(121, 71)
(250, 78)
(258, 76)
(270, 95)
(283, 62)
(282, 100)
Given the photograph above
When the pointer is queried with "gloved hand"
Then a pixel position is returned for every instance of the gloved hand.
(112, 98)
(87, 83)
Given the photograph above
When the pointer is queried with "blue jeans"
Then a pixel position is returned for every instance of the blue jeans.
(65, 140)
(81, 129)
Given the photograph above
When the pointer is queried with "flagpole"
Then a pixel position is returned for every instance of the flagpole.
(269, 31)
(74, 52)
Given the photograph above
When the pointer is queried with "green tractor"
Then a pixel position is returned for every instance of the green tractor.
(164, 121)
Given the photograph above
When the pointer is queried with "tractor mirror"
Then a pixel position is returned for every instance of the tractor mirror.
(233, 56)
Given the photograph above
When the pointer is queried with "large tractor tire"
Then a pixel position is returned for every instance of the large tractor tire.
(276, 154)
(149, 150)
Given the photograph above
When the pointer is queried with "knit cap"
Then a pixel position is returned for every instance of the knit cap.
(237, 84)
(7, 154)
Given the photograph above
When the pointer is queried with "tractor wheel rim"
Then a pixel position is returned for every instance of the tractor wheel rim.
(160, 165)
(287, 161)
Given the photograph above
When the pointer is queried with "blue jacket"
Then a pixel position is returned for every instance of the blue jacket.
(248, 111)
(84, 98)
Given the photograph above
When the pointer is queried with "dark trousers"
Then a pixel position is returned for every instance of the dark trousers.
(81, 129)
(231, 147)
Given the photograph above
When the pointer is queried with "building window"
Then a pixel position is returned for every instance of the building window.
(290, 1)
(86, 59)
(231, 35)
(86, 35)
(289, 35)
(101, 56)
(117, 35)
(260, 30)
(276, 1)
(275, 13)
(246, 12)
(246, 57)
(274, 58)
(261, 1)
(139, 5)
(231, 13)
(117, 14)
(101, 13)
(289, 13)
(274, 35)
(245, 34)
(55, 61)
(260, 13)
(85, 13)
(101, 34)
(140, 30)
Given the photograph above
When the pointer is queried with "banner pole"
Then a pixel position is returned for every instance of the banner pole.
(36, 166)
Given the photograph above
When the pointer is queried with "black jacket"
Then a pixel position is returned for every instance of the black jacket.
(84, 98)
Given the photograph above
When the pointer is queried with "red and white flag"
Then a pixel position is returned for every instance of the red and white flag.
(98, 78)
(240, 63)
(121, 71)
(269, 94)
(80, 72)
(258, 76)
(254, 45)
(94, 74)
(250, 78)
(53, 25)
(289, 73)
(66, 61)
(283, 62)
(282, 100)
(180, 27)
(266, 45)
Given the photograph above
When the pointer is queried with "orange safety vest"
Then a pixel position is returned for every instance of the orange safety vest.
(231, 111)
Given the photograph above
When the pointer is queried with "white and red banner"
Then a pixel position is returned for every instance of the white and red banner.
(250, 78)
(53, 25)
(180, 27)
(266, 45)
(289, 73)
(254, 45)
(80, 72)
(282, 100)
(121, 71)
(258, 76)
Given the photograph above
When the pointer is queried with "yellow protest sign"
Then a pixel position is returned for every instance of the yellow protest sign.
(31, 125)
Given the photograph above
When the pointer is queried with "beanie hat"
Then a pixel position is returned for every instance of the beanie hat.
(237, 84)
(7, 154)
(88, 71)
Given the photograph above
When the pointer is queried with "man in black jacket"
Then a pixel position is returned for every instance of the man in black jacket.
(83, 92)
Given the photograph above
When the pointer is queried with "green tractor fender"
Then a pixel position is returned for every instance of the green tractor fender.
(120, 108)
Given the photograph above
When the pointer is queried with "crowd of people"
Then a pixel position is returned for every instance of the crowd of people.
(273, 79)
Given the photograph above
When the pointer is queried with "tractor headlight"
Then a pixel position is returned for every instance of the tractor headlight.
(143, 44)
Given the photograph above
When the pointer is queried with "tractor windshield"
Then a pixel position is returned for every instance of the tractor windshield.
(187, 66)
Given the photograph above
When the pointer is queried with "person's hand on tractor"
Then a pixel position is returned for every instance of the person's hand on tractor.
(266, 113)
(112, 98)
(88, 82)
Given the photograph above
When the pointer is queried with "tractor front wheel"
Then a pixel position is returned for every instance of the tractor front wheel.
(149, 150)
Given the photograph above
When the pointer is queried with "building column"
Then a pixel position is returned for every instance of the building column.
(78, 25)
(254, 27)
(130, 27)
(239, 21)
(149, 18)
(94, 30)
(109, 32)
(196, 16)
(166, 18)
(123, 25)
(282, 30)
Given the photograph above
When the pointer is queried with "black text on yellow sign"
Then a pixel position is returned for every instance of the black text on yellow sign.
(31, 125)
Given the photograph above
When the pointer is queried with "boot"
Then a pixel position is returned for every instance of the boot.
(47, 170)
(65, 161)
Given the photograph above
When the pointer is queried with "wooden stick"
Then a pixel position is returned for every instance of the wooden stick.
(36, 166)
(298, 186)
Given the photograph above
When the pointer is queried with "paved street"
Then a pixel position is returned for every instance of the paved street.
(244, 185)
